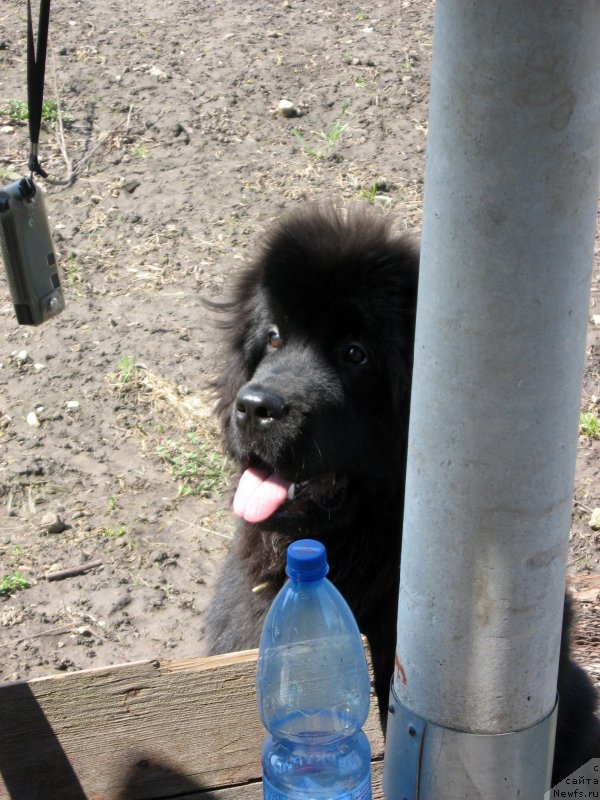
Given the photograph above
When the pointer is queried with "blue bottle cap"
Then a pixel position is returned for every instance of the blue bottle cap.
(306, 560)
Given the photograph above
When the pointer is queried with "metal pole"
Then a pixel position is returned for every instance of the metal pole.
(511, 190)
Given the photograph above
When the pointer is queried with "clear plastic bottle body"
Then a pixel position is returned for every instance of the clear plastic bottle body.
(313, 697)
(339, 770)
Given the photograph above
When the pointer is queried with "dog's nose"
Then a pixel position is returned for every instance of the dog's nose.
(259, 406)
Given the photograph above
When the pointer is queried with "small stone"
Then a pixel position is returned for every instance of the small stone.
(131, 186)
(33, 420)
(596, 319)
(287, 109)
(72, 405)
(6, 129)
(157, 72)
(183, 131)
(595, 520)
(53, 523)
(39, 367)
(121, 602)
(23, 357)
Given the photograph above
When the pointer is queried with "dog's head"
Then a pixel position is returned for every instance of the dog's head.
(314, 396)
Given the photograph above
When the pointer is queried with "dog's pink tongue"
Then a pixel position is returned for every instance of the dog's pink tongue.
(259, 494)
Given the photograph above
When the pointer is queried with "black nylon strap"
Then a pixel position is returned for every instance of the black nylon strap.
(36, 69)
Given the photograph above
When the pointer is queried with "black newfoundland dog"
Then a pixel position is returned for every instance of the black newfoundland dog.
(314, 403)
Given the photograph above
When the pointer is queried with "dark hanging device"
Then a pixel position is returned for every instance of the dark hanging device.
(25, 238)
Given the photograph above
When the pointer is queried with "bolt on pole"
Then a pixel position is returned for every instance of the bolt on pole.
(511, 189)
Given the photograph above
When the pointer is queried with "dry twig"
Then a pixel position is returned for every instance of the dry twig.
(70, 572)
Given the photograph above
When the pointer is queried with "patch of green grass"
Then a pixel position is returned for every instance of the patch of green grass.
(127, 367)
(111, 533)
(197, 465)
(407, 63)
(18, 113)
(73, 270)
(112, 503)
(141, 151)
(369, 194)
(310, 151)
(377, 191)
(589, 424)
(12, 583)
(330, 137)
(8, 175)
(50, 112)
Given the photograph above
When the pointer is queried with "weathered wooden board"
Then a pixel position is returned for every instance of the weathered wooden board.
(137, 732)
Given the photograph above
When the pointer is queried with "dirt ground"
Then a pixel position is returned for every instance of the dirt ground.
(175, 159)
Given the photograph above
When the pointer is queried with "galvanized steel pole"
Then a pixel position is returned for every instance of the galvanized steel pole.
(511, 191)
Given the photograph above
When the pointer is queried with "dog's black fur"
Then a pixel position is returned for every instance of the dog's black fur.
(316, 386)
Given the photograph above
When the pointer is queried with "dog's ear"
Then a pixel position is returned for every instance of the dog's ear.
(235, 318)
(226, 386)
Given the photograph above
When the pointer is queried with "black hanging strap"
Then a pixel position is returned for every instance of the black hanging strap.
(36, 68)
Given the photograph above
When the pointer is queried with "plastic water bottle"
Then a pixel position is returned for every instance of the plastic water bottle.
(313, 688)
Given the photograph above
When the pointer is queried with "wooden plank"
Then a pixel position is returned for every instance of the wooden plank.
(137, 732)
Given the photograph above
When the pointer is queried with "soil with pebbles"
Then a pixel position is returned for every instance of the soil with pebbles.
(175, 158)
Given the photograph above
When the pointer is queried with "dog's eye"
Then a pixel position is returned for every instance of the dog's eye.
(275, 338)
(354, 354)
